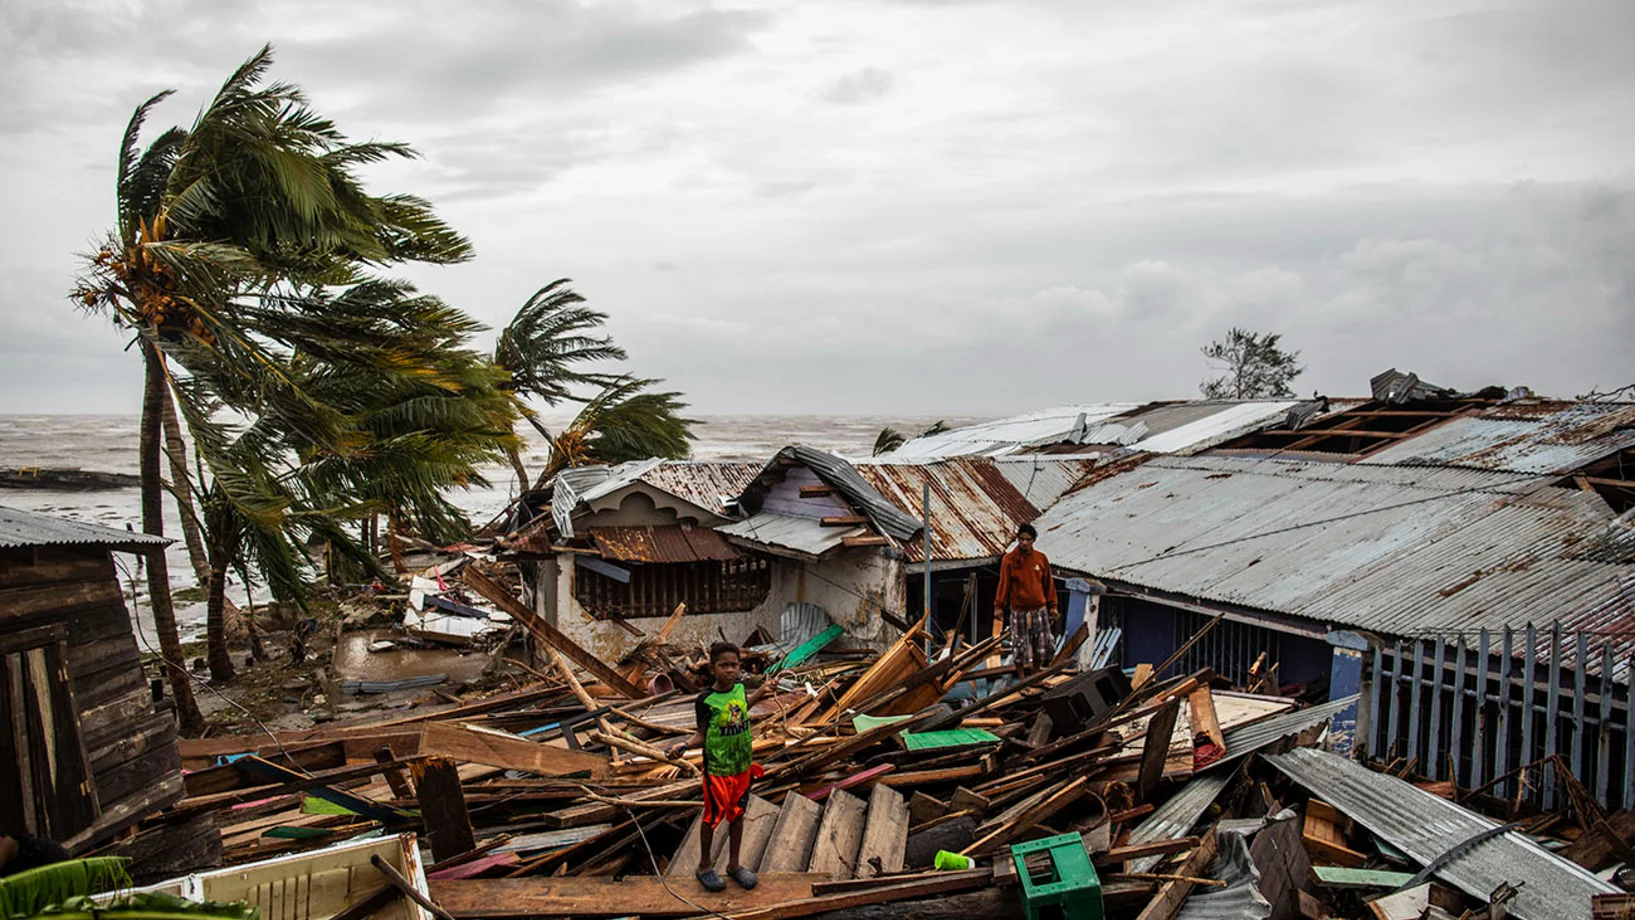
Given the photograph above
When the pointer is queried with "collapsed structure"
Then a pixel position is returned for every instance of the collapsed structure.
(1444, 581)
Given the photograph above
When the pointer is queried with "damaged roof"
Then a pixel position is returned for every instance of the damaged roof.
(833, 471)
(27, 528)
(976, 502)
(1397, 550)
(1178, 426)
(1525, 437)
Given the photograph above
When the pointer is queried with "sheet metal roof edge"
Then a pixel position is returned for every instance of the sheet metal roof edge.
(19, 528)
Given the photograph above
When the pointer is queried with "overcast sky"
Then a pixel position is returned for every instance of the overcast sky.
(900, 207)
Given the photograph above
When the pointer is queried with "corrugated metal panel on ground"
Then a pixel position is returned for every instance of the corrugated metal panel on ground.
(1398, 550)
(1551, 437)
(1425, 826)
(1241, 898)
(785, 531)
(665, 543)
(27, 528)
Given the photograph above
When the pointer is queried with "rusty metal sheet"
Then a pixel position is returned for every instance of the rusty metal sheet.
(975, 508)
(663, 543)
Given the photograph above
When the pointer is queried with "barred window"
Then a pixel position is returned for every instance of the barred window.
(655, 589)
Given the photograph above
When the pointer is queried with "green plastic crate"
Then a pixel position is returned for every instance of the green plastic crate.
(1073, 889)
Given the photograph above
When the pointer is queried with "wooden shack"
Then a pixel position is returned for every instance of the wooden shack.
(85, 752)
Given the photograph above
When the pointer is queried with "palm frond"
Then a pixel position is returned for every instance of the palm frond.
(129, 160)
(30, 892)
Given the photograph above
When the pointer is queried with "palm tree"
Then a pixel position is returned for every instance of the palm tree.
(626, 421)
(258, 198)
(540, 347)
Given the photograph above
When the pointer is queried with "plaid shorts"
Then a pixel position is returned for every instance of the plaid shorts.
(1032, 643)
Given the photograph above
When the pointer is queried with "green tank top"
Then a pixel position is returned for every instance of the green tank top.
(725, 720)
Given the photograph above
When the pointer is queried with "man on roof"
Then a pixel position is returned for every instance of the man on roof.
(1027, 591)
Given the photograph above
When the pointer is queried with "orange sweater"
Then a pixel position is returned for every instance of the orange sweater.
(1024, 582)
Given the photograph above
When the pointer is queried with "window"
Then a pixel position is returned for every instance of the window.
(50, 790)
(654, 590)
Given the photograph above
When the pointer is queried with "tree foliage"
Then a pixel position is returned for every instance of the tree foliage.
(1255, 366)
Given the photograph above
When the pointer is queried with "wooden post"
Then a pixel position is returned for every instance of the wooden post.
(443, 807)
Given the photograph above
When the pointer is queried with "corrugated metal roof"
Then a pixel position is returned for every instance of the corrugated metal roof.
(785, 531)
(839, 473)
(1184, 426)
(708, 484)
(665, 543)
(27, 528)
(1543, 437)
(975, 509)
(1425, 826)
(1397, 550)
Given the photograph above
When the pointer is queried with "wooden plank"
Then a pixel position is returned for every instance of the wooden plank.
(474, 744)
(1359, 879)
(839, 836)
(1201, 711)
(817, 491)
(844, 520)
(871, 539)
(1171, 895)
(931, 777)
(601, 896)
(1059, 798)
(856, 779)
(922, 808)
(885, 834)
(789, 848)
(847, 904)
(549, 634)
(1155, 749)
(443, 807)
(760, 817)
(1118, 855)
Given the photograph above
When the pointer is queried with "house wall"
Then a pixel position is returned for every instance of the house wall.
(642, 506)
(130, 744)
(850, 585)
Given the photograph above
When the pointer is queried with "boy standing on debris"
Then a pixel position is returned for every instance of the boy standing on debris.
(723, 731)
(1026, 588)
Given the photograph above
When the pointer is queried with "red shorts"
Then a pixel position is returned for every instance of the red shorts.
(725, 797)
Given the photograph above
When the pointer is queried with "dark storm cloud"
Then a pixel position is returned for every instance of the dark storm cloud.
(917, 206)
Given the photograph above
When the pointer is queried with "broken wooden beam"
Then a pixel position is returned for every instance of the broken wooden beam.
(443, 808)
(549, 634)
(474, 744)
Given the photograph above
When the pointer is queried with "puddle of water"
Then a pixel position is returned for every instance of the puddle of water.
(354, 661)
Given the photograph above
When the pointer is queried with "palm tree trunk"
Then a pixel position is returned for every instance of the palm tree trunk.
(153, 522)
(182, 489)
(515, 457)
(221, 663)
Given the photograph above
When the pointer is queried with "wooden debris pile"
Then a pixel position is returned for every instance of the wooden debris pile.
(557, 800)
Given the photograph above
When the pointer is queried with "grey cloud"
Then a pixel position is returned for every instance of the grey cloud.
(865, 85)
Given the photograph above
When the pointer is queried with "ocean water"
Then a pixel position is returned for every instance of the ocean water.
(108, 443)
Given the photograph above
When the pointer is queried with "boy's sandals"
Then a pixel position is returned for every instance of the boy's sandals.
(745, 878)
(711, 881)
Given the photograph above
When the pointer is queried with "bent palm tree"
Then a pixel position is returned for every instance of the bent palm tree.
(540, 347)
(258, 198)
(626, 421)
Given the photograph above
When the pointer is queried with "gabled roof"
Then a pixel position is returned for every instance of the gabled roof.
(26, 528)
(885, 517)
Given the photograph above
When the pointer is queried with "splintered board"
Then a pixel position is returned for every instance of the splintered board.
(793, 834)
(885, 833)
(839, 836)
